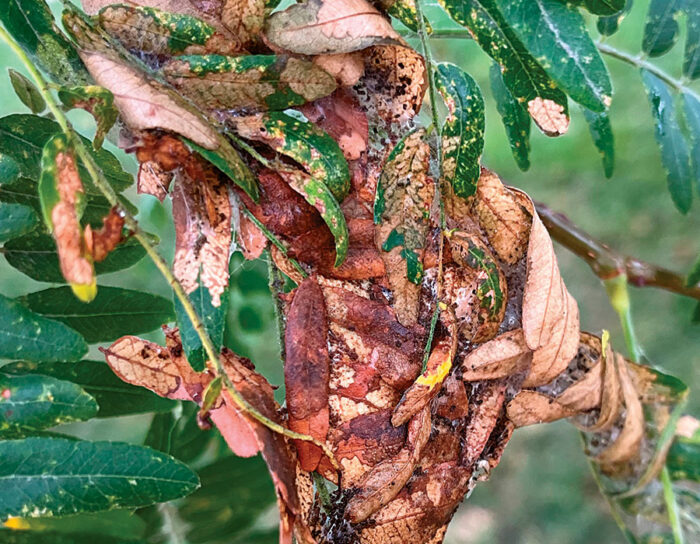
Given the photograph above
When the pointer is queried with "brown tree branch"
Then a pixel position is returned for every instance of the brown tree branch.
(607, 263)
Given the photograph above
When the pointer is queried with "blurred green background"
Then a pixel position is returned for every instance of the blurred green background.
(542, 492)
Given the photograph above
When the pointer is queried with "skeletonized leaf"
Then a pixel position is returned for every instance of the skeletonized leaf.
(662, 30)
(58, 476)
(96, 100)
(26, 335)
(202, 214)
(608, 25)
(302, 141)
(23, 137)
(35, 255)
(515, 118)
(248, 83)
(556, 35)
(674, 148)
(401, 211)
(463, 131)
(31, 23)
(151, 30)
(307, 370)
(27, 92)
(34, 403)
(60, 194)
(16, 220)
(113, 313)
(320, 27)
(601, 132)
(524, 77)
(114, 397)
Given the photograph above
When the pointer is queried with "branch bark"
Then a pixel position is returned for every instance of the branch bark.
(607, 263)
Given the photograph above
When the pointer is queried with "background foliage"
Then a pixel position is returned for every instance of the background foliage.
(543, 490)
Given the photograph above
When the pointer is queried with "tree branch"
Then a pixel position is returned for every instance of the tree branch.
(607, 263)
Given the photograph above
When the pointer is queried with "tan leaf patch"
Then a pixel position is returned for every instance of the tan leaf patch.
(549, 116)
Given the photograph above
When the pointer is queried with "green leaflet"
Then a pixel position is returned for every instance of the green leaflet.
(463, 131)
(113, 313)
(600, 7)
(96, 100)
(27, 92)
(55, 537)
(227, 159)
(114, 396)
(601, 132)
(662, 30)
(675, 155)
(26, 335)
(303, 142)
(151, 30)
(34, 254)
(60, 477)
(515, 119)
(683, 459)
(404, 11)
(34, 403)
(16, 220)
(213, 318)
(180, 435)
(317, 193)
(525, 78)
(691, 115)
(23, 137)
(31, 23)
(607, 26)
(556, 36)
(248, 83)
(403, 208)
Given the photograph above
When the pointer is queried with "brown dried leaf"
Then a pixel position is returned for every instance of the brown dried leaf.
(153, 180)
(243, 18)
(320, 27)
(549, 116)
(611, 396)
(503, 356)
(306, 370)
(347, 68)
(531, 407)
(485, 410)
(101, 242)
(251, 240)
(202, 214)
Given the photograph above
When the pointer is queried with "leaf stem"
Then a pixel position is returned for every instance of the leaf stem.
(98, 178)
(672, 506)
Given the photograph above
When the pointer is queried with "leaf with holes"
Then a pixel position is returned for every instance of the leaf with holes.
(515, 118)
(113, 313)
(675, 155)
(525, 78)
(248, 83)
(463, 131)
(33, 403)
(96, 100)
(58, 476)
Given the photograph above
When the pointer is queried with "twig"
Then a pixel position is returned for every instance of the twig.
(607, 263)
(98, 178)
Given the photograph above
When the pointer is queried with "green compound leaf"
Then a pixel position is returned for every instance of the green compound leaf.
(151, 30)
(60, 477)
(16, 220)
(96, 100)
(114, 396)
(525, 78)
(31, 23)
(113, 313)
(463, 131)
(23, 137)
(602, 134)
(662, 30)
(691, 115)
(556, 35)
(607, 26)
(320, 197)
(249, 82)
(35, 255)
(227, 159)
(213, 318)
(27, 92)
(515, 119)
(675, 155)
(33, 403)
(302, 141)
(26, 335)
